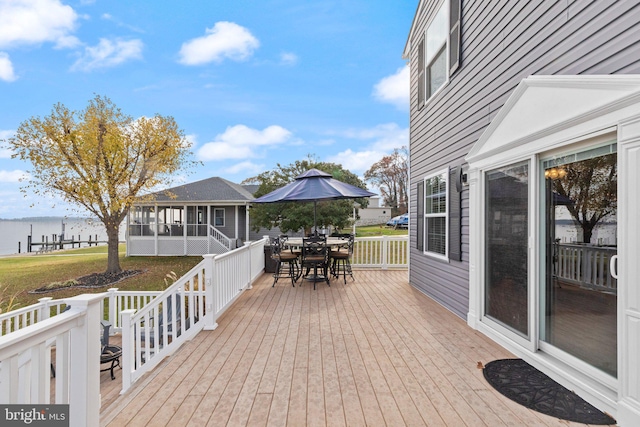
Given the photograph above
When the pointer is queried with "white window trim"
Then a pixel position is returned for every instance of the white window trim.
(445, 256)
(223, 217)
(445, 4)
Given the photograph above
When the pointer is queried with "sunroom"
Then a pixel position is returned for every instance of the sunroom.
(204, 217)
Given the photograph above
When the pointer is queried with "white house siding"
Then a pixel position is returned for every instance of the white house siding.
(503, 42)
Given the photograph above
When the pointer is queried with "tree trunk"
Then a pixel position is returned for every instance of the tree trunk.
(113, 260)
(587, 232)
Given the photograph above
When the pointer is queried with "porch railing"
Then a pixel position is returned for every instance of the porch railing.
(219, 237)
(381, 252)
(587, 266)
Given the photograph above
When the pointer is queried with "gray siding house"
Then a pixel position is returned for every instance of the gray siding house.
(524, 176)
(207, 216)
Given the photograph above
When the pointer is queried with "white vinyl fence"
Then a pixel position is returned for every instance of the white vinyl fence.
(381, 252)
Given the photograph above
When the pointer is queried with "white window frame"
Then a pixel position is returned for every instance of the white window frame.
(444, 4)
(215, 217)
(444, 173)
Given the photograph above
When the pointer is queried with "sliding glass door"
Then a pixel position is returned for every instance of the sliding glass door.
(506, 247)
(579, 298)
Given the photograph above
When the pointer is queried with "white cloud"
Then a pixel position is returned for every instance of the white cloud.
(6, 68)
(288, 58)
(246, 168)
(108, 53)
(224, 40)
(12, 176)
(385, 137)
(109, 17)
(381, 140)
(36, 21)
(192, 138)
(357, 161)
(394, 89)
(241, 142)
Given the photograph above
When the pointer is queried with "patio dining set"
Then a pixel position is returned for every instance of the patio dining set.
(316, 258)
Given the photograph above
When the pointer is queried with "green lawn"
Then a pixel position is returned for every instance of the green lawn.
(379, 230)
(21, 274)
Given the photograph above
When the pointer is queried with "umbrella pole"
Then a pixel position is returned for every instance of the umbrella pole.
(315, 227)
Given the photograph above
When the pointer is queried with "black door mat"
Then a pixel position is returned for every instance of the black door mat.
(523, 383)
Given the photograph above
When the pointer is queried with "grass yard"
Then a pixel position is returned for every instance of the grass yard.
(378, 230)
(21, 274)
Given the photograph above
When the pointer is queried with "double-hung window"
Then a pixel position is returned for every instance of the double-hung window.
(436, 228)
(218, 217)
(436, 52)
(439, 51)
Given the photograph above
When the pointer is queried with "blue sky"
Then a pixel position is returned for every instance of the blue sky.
(251, 83)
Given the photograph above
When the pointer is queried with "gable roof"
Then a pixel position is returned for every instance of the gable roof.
(406, 53)
(544, 105)
(213, 189)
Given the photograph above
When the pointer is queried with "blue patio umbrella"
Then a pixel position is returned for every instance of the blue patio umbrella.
(312, 186)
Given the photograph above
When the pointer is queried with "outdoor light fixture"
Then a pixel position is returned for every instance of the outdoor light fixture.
(555, 173)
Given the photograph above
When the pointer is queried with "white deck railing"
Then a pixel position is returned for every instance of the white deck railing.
(201, 296)
(25, 354)
(21, 318)
(191, 304)
(25, 361)
(381, 252)
(587, 266)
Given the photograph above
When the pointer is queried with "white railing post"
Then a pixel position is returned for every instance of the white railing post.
(128, 347)
(112, 307)
(385, 252)
(43, 310)
(84, 392)
(210, 293)
(250, 257)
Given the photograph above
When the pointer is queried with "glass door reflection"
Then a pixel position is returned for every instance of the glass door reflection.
(580, 295)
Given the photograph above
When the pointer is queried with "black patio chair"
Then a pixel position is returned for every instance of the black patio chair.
(341, 259)
(286, 261)
(315, 254)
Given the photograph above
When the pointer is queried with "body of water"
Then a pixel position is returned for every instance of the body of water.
(17, 230)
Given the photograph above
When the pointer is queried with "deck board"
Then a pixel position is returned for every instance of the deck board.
(372, 352)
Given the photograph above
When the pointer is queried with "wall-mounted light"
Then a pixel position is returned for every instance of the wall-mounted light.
(555, 173)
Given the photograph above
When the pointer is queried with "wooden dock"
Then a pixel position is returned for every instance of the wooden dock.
(59, 242)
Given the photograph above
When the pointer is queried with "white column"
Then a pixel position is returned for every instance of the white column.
(210, 293)
(113, 301)
(128, 349)
(247, 222)
(84, 391)
(628, 273)
(474, 248)
(236, 221)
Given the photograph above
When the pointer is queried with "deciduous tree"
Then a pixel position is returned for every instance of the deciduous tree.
(294, 216)
(391, 176)
(100, 159)
(591, 187)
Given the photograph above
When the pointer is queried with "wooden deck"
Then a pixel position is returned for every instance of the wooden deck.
(372, 352)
